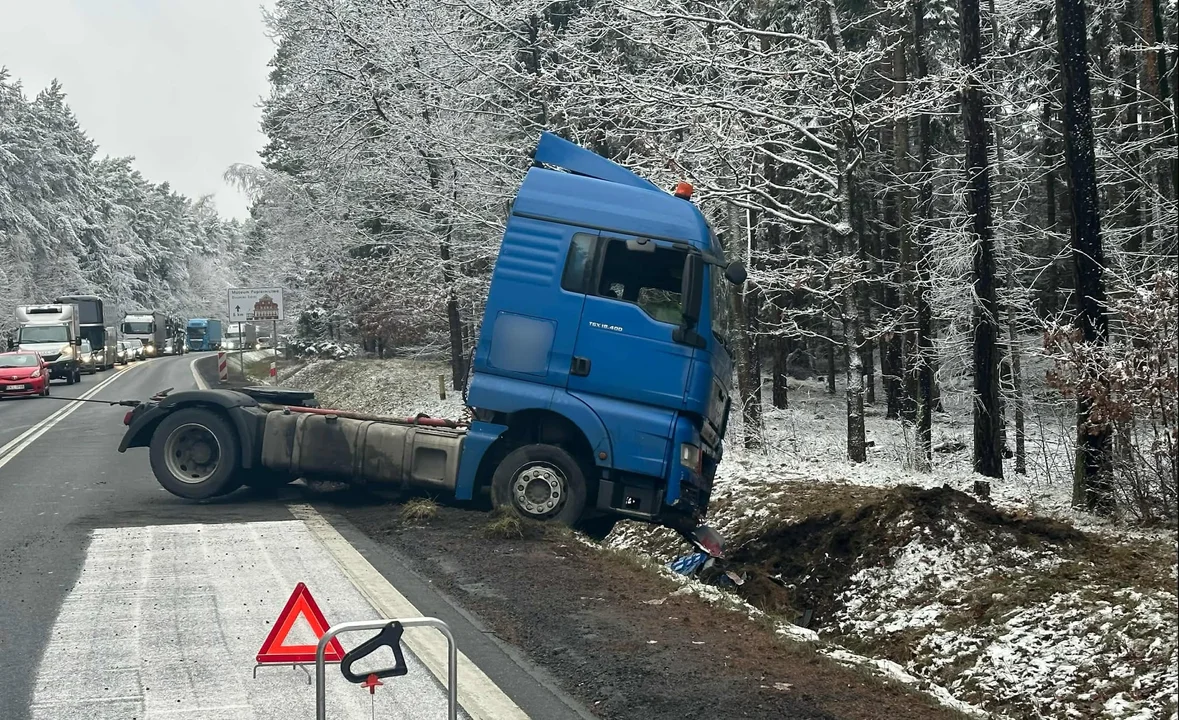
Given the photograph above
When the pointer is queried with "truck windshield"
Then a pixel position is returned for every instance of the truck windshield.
(44, 334)
(139, 328)
(196, 333)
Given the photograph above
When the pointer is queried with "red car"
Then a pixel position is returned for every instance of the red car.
(23, 373)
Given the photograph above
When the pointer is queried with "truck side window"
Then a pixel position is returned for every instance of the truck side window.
(651, 280)
(579, 265)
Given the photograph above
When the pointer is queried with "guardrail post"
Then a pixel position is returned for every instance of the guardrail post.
(222, 367)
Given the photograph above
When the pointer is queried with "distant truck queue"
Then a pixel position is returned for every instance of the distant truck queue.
(74, 334)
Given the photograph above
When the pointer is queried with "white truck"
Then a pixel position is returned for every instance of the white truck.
(148, 327)
(240, 336)
(52, 332)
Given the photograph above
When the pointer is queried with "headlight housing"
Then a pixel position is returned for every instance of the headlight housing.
(36, 373)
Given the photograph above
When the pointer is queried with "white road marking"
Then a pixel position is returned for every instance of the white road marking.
(165, 622)
(22, 441)
(478, 695)
(196, 376)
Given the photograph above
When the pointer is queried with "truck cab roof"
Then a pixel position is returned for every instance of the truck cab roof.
(593, 192)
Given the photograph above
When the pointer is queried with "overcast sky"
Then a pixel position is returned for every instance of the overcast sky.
(174, 83)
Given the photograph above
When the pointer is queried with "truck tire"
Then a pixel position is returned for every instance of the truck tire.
(70, 378)
(195, 454)
(540, 482)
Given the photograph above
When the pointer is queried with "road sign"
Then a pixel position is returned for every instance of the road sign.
(274, 650)
(255, 304)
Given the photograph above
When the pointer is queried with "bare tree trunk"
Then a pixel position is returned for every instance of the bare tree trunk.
(847, 160)
(924, 314)
(1128, 99)
(857, 450)
(868, 362)
(745, 312)
(777, 308)
(1091, 480)
(1013, 348)
(988, 459)
(831, 348)
(897, 254)
(458, 359)
(781, 352)
(1156, 84)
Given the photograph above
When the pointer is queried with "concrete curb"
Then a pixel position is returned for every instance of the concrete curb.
(204, 372)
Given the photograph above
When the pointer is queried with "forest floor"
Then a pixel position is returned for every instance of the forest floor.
(1021, 607)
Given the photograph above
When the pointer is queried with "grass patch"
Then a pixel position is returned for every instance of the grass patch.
(505, 525)
(419, 509)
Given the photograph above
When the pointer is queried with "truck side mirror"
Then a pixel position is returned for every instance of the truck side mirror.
(692, 289)
(78, 341)
(735, 272)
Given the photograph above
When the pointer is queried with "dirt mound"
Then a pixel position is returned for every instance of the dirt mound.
(801, 569)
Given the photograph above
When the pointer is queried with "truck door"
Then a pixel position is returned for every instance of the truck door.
(624, 347)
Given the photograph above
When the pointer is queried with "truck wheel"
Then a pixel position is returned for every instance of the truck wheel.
(70, 379)
(541, 482)
(194, 454)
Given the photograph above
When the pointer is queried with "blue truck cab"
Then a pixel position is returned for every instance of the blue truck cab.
(203, 334)
(603, 344)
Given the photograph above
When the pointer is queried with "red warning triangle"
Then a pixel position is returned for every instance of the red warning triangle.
(274, 649)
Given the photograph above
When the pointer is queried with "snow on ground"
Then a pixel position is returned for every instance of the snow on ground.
(385, 387)
(1013, 613)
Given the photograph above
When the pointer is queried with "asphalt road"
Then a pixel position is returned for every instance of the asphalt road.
(76, 516)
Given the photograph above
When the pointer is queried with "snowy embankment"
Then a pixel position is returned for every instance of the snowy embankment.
(1024, 608)
(384, 387)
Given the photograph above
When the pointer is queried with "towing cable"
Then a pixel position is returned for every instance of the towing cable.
(124, 403)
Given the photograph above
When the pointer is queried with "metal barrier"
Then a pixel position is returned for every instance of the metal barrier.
(451, 658)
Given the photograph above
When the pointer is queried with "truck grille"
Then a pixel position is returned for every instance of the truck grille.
(50, 358)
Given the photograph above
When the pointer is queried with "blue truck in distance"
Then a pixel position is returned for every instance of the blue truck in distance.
(600, 387)
(203, 334)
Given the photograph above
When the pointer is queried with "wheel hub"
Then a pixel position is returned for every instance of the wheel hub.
(539, 489)
(192, 453)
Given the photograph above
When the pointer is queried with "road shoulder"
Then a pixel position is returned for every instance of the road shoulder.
(619, 637)
(529, 687)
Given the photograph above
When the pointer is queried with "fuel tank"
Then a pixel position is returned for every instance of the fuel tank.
(362, 451)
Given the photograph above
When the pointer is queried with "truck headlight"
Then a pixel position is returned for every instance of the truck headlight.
(66, 352)
(690, 457)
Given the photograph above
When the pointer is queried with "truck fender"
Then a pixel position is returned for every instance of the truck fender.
(585, 419)
(480, 437)
(241, 409)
